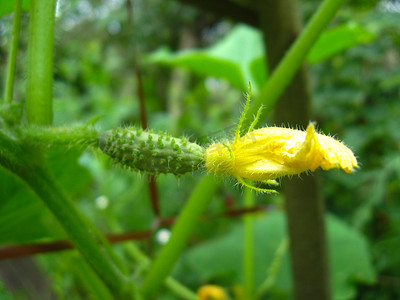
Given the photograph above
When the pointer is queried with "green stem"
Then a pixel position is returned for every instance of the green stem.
(179, 289)
(39, 105)
(183, 228)
(295, 56)
(80, 136)
(12, 61)
(248, 256)
(274, 269)
(83, 234)
(172, 284)
(89, 279)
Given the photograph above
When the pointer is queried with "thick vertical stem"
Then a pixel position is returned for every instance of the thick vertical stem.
(248, 253)
(12, 59)
(287, 22)
(305, 215)
(183, 228)
(39, 105)
(280, 23)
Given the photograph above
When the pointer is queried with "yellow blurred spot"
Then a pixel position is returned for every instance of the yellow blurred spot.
(212, 292)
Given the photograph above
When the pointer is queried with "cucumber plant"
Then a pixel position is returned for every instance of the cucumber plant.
(25, 137)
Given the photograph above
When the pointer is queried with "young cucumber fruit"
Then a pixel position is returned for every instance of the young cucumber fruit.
(150, 152)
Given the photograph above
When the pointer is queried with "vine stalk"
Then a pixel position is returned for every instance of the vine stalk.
(26, 162)
(183, 228)
(295, 56)
(28, 165)
(12, 60)
(39, 93)
(280, 23)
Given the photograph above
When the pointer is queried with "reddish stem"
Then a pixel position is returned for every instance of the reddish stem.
(12, 252)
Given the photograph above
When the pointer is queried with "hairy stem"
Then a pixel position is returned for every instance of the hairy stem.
(39, 105)
(80, 136)
(183, 228)
(12, 60)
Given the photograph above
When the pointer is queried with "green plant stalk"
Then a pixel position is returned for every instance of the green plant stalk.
(172, 284)
(39, 94)
(12, 60)
(294, 58)
(90, 280)
(248, 254)
(179, 289)
(273, 270)
(80, 136)
(304, 205)
(83, 234)
(183, 228)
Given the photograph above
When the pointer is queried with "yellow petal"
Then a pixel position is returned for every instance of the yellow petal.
(273, 152)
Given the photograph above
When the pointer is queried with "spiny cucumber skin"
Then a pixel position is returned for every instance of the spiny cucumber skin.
(151, 152)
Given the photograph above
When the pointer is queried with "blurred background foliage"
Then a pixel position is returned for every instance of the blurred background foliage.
(195, 68)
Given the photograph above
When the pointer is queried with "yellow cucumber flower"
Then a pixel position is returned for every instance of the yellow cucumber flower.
(272, 152)
(212, 292)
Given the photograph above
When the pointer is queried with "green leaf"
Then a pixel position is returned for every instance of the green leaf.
(4, 294)
(7, 6)
(221, 258)
(391, 82)
(240, 56)
(338, 39)
(23, 217)
(258, 68)
(228, 59)
(63, 164)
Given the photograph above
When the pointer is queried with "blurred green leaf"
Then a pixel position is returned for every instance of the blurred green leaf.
(4, 294)
(338, 39)
(240, 57)
(23, 217)
(229, 59)
(219, 258)
(391, 82)
(258, 68)
(386, 252)
(7, 6)
(64, 165)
